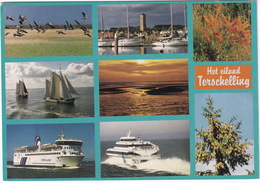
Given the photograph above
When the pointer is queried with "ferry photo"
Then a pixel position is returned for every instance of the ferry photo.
(50, 151)
(145, 148)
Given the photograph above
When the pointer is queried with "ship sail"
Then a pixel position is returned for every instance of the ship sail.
(71, 88)
(21, 90)
(59, 89)
(47, 88)
(55, 86)
(64, 89)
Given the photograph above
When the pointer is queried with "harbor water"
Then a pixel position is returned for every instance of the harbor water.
(142, 50)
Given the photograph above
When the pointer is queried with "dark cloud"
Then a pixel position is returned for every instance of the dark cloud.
(156, 14)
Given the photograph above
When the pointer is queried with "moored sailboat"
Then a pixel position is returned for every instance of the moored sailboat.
(171, 40)
(127, 41)
(21, 90)
(59, 90)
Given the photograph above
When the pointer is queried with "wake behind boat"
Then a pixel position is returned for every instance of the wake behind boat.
(131, 150)
(64, 153)
(59, 90)
(21, 90)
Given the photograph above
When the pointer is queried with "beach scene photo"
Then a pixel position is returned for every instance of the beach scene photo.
(144, 87)
(36, 90)
(50, 151)
(48, 30)
(142, 29)
(145, 148)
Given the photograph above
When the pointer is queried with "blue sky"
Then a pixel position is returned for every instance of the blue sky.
(232, 104)
(163, 129)
(57, 14)
(23, 135)
(156, 14)
(79, 73)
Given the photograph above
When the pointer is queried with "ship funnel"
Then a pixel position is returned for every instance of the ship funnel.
(38, 141)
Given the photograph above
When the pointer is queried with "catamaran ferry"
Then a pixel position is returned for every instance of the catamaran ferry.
(133, 150)
(64, 153)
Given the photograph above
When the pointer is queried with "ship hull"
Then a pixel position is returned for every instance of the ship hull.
(47, 160)
(130, 159)
(22, 96)
(62, 101)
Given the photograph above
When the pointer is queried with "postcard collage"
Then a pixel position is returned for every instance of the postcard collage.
(129, 90)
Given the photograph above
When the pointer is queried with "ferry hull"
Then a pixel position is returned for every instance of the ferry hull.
(129, 159)
(47, 161)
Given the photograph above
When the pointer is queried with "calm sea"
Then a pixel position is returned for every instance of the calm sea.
(175, 161)
(35, 107)
(87, 169)
(142, 50)
(143, 98)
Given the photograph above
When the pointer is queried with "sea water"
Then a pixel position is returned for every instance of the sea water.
(143, 98)
(87, 169)
(35, 107)
(175, 161)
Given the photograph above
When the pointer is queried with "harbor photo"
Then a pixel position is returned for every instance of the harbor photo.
(36, 90)
(145, 148)
(50, 151)
(48, 30)
(143, 87)
(127, 29)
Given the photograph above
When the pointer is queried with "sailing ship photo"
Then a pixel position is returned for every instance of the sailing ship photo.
(143, 87)
(145, 148)
(21, 90)
(142, 29)
(50, 151)
(57, 90)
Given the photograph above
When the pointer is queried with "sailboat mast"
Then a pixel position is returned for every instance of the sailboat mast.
(185, 28)
(127, 20)
(171, 20)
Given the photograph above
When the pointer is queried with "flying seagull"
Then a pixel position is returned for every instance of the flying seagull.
(85, 16)
(50, 24)
(9, 18)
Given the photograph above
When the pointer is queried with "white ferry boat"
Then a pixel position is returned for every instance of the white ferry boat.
(133, 150)
(64, 153)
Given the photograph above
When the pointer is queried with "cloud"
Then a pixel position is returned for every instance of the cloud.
(80, 69)
(156, 14)
(35, 73)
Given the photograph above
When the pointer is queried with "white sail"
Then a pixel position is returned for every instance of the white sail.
(47, 88)
(21, 90)
(55, 86)
(64, 89)
(71, 88)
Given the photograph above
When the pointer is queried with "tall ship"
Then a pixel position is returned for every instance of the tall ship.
(133, 150)
(63, 153)
(59, 90)
(21, 90)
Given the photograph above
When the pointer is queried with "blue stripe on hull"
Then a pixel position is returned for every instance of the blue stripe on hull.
(23, 161)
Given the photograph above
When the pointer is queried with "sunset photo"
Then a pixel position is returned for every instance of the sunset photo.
(143, 87)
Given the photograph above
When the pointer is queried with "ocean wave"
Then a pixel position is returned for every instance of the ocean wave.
(171, 165)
